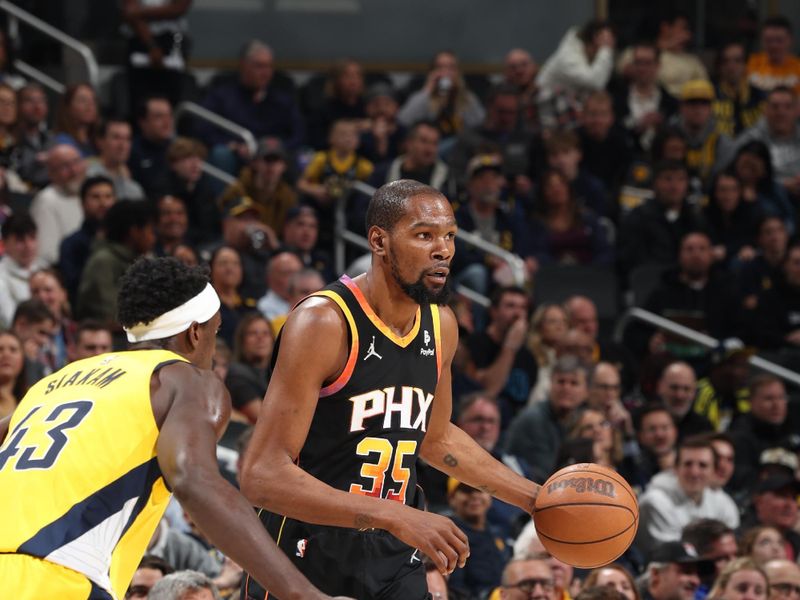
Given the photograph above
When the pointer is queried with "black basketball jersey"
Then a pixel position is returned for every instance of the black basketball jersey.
(369, 424)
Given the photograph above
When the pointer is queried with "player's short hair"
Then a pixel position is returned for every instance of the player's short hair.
(468, 400)
(91, 325)
(91, 182)
(777, 22)
(125, 215)
(388, 205)
(156, 563)
(498, 293)
(101, 129)
(153, 286)
(762, 380)
(649, 409)
(695, 442)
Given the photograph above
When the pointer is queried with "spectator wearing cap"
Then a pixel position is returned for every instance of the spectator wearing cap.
(781, 133)
(676, 389)
(713, 540)
(723, 394)
(97, 196)
(484, 214)
(771, 422)
(113, 141)
(264, 183)
(643, 105)
(674, 572)
(253, 101)
(300, 234)
(675, 498)
(775, 65)
(776, 324)
(694, 294)
(343, 98)
(243, 229)
(381, 141)
(563, 231)
(500, 130)
(489, 553)
(194, 187)
(420, 161)
(650, 234)
(709, 149)
(737, 105)
(774, 504)
(582, 63)
(519, 73)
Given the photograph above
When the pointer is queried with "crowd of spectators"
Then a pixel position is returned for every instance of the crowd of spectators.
(677, 178)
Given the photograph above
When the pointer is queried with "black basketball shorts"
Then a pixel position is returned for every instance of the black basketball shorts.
(367, 565)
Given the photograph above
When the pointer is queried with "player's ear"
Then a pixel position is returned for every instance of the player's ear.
(377, 240)
(193, 335)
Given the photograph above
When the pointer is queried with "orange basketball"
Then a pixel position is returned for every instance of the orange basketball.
(586, 515)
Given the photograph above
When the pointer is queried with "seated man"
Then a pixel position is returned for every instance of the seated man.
(673, 499)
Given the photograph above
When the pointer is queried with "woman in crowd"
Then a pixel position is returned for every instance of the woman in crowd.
(591, 439)
(77, 115)
(547, 326)
(762, 544)
(561, 231)
(226, 278)
(615, 576)
(247, 377)
(753, 166)
(742, 579)
(731, 222)
(46, 286)
(12, 373)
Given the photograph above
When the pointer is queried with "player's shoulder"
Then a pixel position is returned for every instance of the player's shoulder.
(319, 315)
(182, 376)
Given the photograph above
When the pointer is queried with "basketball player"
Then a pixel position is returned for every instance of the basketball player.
(361, 388)
(93, 451)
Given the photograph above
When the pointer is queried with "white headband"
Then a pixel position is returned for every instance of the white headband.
(198, 309)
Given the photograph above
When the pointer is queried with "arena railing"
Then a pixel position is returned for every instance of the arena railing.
(15, 15)
(204, 114)
(343, 236)
(639, 314)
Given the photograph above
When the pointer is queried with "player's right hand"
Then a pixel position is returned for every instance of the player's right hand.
(434, 535)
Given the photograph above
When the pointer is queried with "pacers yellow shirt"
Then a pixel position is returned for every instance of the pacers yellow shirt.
(81, 486)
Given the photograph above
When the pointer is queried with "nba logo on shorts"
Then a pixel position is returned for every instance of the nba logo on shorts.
(427, 337)
(301, 548)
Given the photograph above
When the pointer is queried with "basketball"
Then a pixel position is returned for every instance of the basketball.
(586, 515)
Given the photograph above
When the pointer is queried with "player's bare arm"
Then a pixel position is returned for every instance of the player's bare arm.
(313, 352)
(192, 408)
(452, 451)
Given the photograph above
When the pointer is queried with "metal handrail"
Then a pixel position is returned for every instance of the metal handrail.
(470, 294)
(702, 339)
(515, 263)
(218, 121)
(16, 13)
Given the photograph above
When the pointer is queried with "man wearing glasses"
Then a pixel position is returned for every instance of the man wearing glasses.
(527, 579)
(784, 579)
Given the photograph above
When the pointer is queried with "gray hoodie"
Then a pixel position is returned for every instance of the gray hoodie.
(664, 511)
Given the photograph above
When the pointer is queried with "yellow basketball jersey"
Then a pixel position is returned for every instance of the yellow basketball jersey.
(81, 485)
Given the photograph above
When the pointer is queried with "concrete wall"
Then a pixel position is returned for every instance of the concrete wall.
(384, 31)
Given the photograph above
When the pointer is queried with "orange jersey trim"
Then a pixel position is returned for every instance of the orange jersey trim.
(345, 375)
(401, 341)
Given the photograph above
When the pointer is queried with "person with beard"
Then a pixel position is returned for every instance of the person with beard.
(57, 208)
(366, 363)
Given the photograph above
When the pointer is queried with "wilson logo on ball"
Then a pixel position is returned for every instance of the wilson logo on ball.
(585, 484)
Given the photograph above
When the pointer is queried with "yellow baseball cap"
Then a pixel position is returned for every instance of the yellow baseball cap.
(697, 89)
